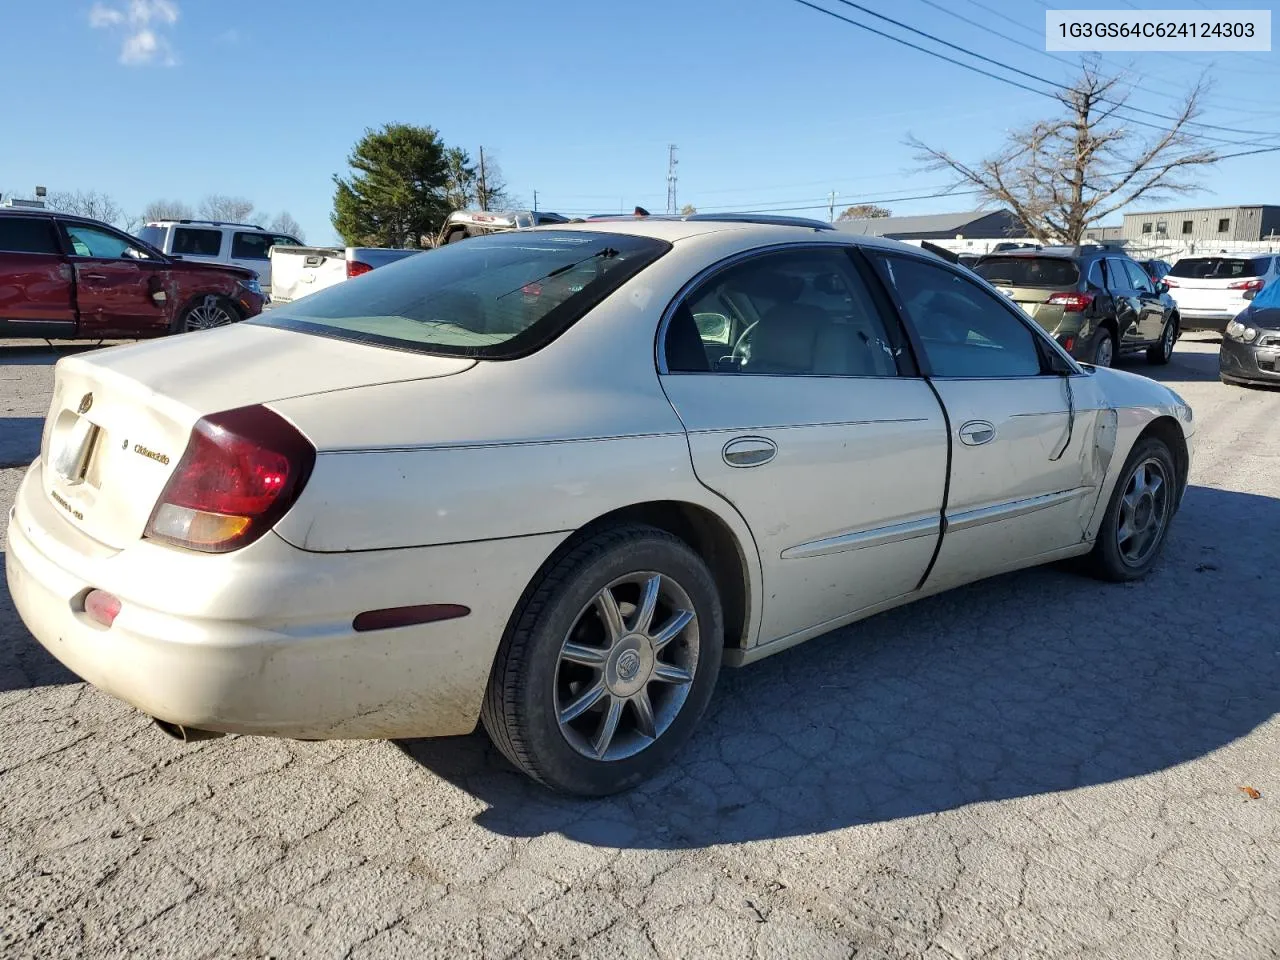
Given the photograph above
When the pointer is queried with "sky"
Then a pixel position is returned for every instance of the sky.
(771, 104)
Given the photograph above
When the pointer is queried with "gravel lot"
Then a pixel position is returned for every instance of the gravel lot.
(1036, 766)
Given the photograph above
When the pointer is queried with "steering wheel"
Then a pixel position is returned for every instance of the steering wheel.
(741, 347)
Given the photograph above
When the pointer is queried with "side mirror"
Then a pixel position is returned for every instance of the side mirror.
(1162, 287)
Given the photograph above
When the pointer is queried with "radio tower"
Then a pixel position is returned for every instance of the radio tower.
(671, 179)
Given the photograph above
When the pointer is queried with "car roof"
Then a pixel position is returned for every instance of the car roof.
(750, 230)
(1060, 253)
(50, 214)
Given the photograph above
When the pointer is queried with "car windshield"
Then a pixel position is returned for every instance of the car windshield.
(1029, 271)
(495, 297)
(152, 235)
(1216, 268)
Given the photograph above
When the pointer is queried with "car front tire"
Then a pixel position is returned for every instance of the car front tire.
(205, 313)
(608, 662)
(1162, 352)
(1136, 524)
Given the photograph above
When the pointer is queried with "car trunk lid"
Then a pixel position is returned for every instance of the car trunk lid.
(120, 418)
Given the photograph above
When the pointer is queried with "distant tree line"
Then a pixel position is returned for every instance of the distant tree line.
(98, 205)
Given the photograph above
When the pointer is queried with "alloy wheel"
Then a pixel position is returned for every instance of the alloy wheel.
(626, 666)
(1104, 353)
(207, 314)
(1166, 342)
(1144, 512)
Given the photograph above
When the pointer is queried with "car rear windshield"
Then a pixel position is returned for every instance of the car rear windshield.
(152, 235)
(1029, 271)
(1219, 268)
(495, 297)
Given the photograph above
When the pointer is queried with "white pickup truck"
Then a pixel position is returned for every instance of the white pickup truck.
(298, 271)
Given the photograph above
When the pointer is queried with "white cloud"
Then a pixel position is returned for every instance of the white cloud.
(141, 25)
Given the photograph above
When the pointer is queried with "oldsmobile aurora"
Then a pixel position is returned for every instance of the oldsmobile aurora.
(550, 481)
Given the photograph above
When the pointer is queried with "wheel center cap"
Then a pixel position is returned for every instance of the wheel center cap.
(1144, 511)
(629, 666)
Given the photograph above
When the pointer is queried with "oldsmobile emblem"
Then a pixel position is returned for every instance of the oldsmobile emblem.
(85, 403)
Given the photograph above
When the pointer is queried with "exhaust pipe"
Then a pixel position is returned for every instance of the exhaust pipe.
(185, 734)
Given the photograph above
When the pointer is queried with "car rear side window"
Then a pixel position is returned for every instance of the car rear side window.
(1219, 268)
(800, 313)
(496, 297)
(1029, 271)
(256, 246)
(27, 235)
(191, 242)
(964, 329)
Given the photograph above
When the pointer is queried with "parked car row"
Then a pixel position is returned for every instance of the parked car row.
(551, 480)
(1096, 302)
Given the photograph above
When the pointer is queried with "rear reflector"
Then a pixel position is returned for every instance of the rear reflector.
(407, 616)
(356, 268)
(102, 607)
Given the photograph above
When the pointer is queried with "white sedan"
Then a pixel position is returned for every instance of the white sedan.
(552, 480)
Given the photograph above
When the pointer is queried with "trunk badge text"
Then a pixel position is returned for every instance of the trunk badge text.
(85, 403)
(150, 454)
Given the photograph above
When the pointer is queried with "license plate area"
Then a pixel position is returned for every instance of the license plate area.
(74, 449)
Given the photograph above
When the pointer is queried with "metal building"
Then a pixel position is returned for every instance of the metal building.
(1203, 225)
(970, 224)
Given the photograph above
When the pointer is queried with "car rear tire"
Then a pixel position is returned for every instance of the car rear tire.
(608, 662)
(1101, 348)
(1162, 352)
(205, 313)
(1136, 523)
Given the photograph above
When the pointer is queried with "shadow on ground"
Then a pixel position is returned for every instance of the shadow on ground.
(19, 440)
(1031, 683)
(44, 354)
(1184, 366)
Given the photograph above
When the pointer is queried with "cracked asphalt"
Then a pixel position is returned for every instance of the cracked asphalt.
(1035, 766)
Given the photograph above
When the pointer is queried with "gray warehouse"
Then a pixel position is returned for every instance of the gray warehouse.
(1203, 224)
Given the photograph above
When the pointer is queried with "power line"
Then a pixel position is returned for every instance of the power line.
(1037, 77)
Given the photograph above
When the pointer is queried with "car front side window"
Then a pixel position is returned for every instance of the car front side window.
(788, 313)
(964, 330)
(91, 242)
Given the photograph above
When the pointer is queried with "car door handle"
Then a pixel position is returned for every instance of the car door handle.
(977, 432)
(749, 451)
(92, 276)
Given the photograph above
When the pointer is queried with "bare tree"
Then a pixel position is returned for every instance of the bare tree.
(283, 222)
(218, 206)
(864, 211)
(88, 203)
(166, 210)
(1063, 175)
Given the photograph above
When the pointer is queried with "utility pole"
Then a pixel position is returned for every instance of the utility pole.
(831, 208)
(535, 201)
(671, 179)
(484, 192)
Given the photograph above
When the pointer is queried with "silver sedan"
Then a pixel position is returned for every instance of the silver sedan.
(552, 480)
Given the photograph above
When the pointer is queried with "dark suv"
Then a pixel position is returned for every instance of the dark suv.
(1096, 302)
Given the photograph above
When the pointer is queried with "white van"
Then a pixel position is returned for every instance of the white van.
(215, 241)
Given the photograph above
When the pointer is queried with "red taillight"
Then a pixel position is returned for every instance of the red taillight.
(357, 267)
(1071, 302)
(1255, 284)
(241, 471)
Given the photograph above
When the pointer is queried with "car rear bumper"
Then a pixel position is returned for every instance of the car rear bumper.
(261, 641)
(1213, 318)
(1248, 362)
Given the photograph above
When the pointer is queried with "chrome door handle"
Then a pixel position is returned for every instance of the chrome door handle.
(92, 276)
(977, 432)
(749, 451)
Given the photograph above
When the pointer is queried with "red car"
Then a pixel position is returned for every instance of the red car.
(69, 278)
